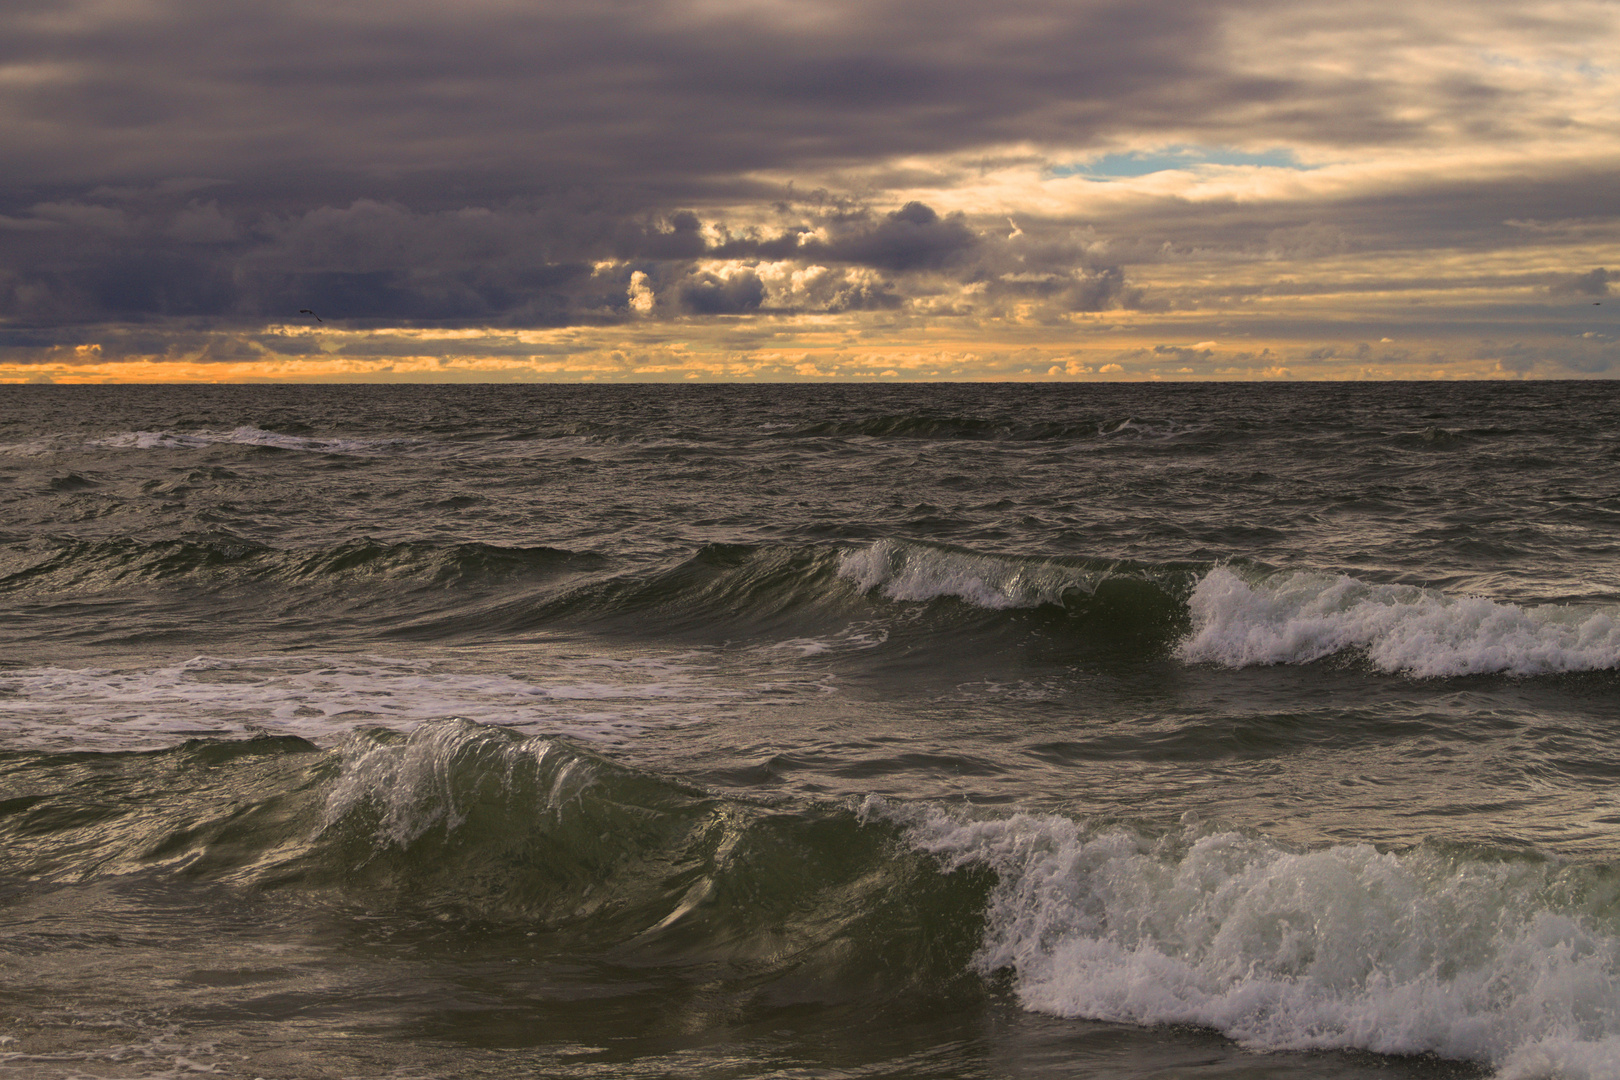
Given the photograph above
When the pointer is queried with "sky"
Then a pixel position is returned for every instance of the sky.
(808, 190)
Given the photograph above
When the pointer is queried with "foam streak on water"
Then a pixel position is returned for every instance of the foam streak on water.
(325, 697)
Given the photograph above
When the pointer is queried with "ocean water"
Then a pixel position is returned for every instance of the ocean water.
(734, 732)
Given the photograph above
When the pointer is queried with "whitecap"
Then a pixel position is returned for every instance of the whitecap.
(1297, 617)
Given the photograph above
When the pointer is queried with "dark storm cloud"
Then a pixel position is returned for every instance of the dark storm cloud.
(154, 257)
(711, 294)
(622, 89)
(911, 238)
(914, 237)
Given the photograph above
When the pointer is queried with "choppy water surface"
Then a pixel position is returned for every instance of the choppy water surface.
(939, 731)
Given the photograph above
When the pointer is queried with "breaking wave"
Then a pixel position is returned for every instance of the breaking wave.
(1469, 954)
(1222, 615)
(246, 436)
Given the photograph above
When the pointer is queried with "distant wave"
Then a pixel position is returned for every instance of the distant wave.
(936, 427)
(1297, 617)
(203, 438)
(1466, 954)
(226, 558)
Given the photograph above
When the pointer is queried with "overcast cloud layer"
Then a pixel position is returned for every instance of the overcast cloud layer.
(763, 189)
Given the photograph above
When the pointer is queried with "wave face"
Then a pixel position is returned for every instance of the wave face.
(1295, 618)
(1512, 962)
(465, 822)
(481, 822)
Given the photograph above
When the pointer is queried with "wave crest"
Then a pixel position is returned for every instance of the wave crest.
(918, 572)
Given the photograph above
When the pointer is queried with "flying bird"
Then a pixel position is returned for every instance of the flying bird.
(306, 311)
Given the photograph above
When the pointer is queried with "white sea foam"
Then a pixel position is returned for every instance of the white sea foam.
(1131, 427)
(1298, 617)
(906, 571)
(855, 637)
(593, 699)
(31, 447)
(1510, 962)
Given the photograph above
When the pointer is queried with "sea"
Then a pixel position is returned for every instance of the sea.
(1236, 731)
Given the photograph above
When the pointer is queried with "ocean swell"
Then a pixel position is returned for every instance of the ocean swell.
(220, 558)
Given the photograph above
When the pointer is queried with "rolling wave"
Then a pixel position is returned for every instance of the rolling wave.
(1222, 615)
(463, 822)
(1464, 952)
(594, 700)
(244, 436)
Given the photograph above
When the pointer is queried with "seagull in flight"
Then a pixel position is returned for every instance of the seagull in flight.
(306, 311)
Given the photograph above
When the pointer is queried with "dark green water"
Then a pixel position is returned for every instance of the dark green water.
(775, 731)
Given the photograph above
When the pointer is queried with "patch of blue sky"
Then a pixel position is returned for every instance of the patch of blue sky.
(1142, 163)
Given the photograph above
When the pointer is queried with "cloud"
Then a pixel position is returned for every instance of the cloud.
(913, 237)
(1298, 175)
(641, 296)
(1592, 283)
(710, 294)
(1591, 354)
